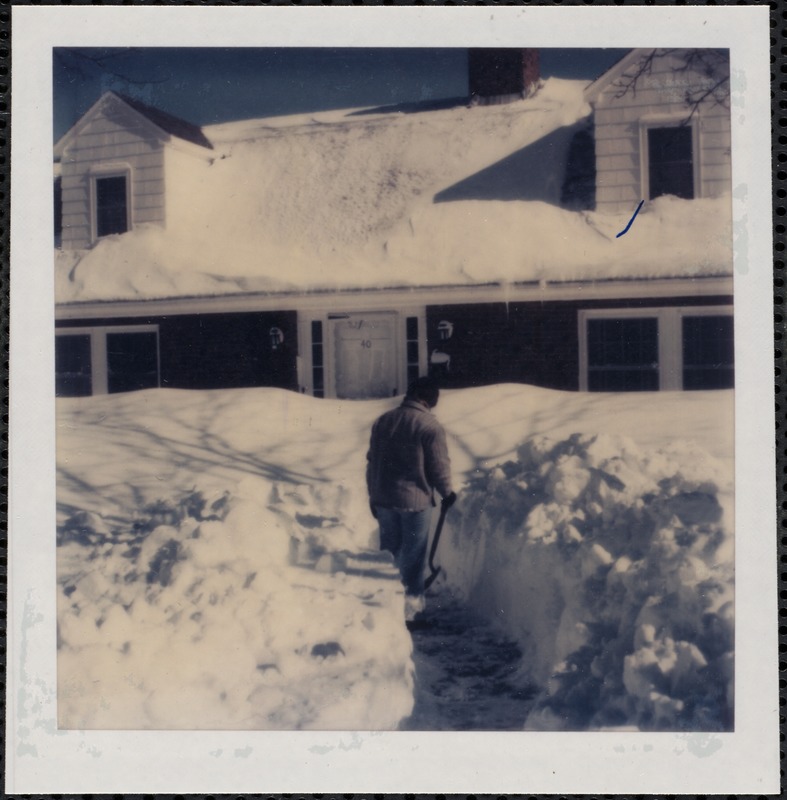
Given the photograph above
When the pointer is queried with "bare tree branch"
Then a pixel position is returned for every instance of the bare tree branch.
(711, 65)
(85, 62)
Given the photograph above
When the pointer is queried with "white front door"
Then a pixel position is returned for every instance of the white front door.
(366, 364)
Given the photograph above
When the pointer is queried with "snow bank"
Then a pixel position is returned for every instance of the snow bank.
(217, 562)
(228, 611)
(612, 566)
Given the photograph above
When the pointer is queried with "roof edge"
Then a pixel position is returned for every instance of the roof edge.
(65, 139)
(163, 122)
(719, 284)
(615, 71)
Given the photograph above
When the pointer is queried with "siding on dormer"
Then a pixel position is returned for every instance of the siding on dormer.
(116, 136)
(660, 93)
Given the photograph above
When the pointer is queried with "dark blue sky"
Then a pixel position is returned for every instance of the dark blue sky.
(208, 85)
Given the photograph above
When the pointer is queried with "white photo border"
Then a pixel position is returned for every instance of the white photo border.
(43, 759)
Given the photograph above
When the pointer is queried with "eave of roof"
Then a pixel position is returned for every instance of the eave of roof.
(593, 90)
(166, 123)
(719, 285)
(173, 125)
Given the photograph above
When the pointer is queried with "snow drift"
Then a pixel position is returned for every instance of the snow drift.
(228, 612)
(611, 565)
(217, 563)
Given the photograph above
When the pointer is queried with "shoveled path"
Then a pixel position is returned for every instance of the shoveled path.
(465, 672)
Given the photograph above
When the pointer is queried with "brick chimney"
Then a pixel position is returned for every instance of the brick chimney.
(501, 75)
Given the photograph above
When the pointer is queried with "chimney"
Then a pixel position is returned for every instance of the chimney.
(501, 75)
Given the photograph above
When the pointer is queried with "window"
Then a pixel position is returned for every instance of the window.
(708, 352)
(318, 368)
(132, 361)
(73, 365)
(111, 204)
(58, 211)
(623, 355)
(647, 349)
(105, 360)
(669, 163)
(413, 356)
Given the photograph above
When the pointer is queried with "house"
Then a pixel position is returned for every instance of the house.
(343, 253)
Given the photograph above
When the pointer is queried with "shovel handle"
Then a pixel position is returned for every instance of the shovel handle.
(435, 541)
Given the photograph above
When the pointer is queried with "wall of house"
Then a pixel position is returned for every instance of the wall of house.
(113, 138)
(659, 93)
(217, 351)
(521, 342)
(467, 344)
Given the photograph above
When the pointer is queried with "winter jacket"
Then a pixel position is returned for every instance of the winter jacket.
(407, 459)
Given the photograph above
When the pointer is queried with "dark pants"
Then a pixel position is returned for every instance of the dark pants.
(405, 534)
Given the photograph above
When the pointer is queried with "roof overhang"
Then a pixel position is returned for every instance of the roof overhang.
(391, 298)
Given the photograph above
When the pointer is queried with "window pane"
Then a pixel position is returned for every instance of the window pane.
(72, 365)
(318, 380)
(412, 328)
(671, 169)
(58, 211)
(708, 352)
(111, 211)
(317, 355)
(132, 361)
(318, 375)
(623, 355)
(316, 331)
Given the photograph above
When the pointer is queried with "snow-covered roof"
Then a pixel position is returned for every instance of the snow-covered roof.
(371, 198)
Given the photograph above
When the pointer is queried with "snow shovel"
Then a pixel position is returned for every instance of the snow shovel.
(435, 540)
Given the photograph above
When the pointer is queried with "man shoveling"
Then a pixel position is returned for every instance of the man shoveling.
(408, 461)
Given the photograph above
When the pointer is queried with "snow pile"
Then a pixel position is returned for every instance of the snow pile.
(369, 200)
(613, 568)
(218, 565)
(227, 611)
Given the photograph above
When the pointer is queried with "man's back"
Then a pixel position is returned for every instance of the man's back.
(407, 458)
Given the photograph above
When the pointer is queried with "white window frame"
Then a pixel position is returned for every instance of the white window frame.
(99, 368)
(121, 170)
(669, 331)
(672, 121)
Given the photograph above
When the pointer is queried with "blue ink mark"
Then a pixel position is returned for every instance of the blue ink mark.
(625, 230)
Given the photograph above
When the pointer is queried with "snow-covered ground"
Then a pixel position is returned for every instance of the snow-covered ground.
(217, 563)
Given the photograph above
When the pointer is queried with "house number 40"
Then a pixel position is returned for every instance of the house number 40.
(367, 343)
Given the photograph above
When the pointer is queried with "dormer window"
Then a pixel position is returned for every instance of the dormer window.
(669, 163)
(111, 203)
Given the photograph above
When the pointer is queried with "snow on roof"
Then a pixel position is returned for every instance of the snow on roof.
(347, 200)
